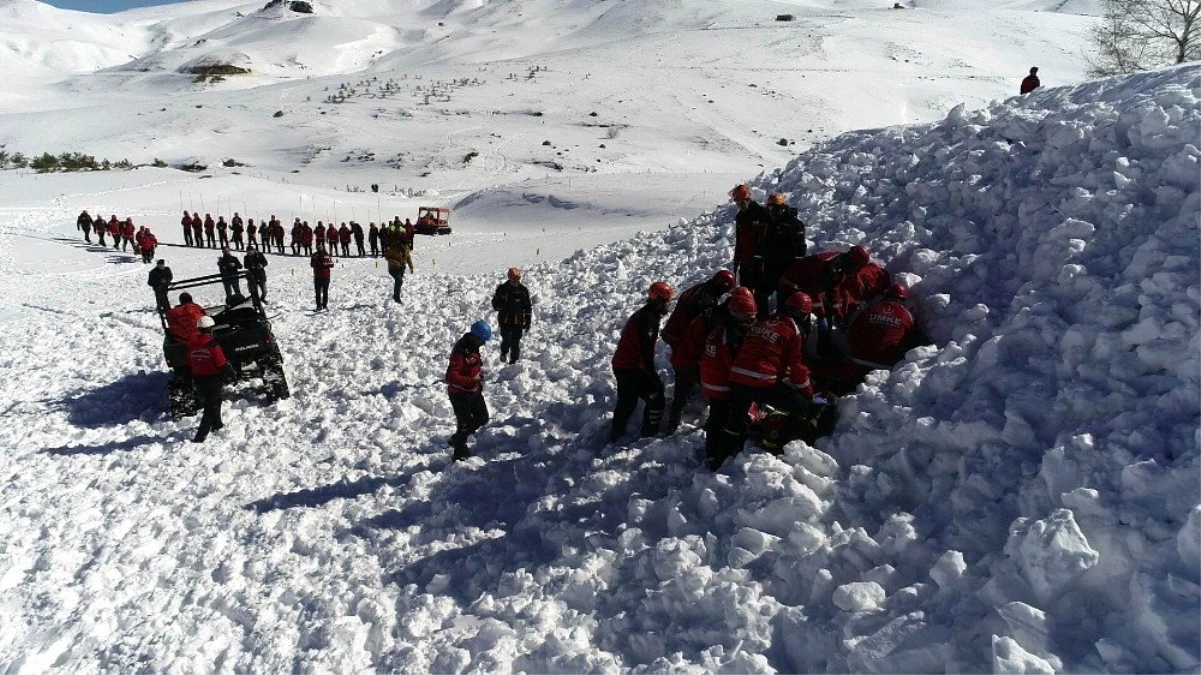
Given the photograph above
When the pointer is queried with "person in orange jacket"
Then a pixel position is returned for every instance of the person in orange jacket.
(114, 230)
(210, 230)
(197, 224)
(322, 263)
(128, 230)
(634, 364)
(687, 341)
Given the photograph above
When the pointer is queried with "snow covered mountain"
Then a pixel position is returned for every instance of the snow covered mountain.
(1020, 497)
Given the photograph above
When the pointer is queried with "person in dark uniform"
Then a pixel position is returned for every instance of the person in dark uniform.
(512, 301)
(160, 276)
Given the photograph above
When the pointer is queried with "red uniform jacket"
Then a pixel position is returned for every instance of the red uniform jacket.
(852, 290)
(344, 234)
(209, 225)
(463, 373)
(806, 275)
(321, 263)
(114, 226)
(196, 223)
(320, 232)
(205, 357)
(181, 321)
(771, 354)
(721, 346)
(686, 350)
(880, 334)
(1030, 83)
(636, 348)
(692, 303)
(149, 242)
(128, 230)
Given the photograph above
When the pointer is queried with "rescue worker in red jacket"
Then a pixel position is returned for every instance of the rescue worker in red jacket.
(114, 230)
(319, 234)
(322, 263)
(277, 233)
(687, 341)
(721, 346)
(634, 364)
(186, 224)
(769, 370)
(464, 385)
(181, 319)
(749, 226)
(197, 237)
(149, 244)
(344, 235)
(877, 336)
(128, 229)
(209, 369)
(1030, 82)
(804, 275)
(210, 230)
(306, 239)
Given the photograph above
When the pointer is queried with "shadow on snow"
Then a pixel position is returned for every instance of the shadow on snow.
(135, 396)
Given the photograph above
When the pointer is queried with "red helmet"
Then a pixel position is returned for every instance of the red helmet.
(859, 255)
(740, 193)
(776, 199)
(660, 290)
(724, 280)
(799, 303)
(743, 291)
(742, 306)
(897, 290)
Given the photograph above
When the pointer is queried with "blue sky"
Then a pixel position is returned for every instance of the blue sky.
(106, 6)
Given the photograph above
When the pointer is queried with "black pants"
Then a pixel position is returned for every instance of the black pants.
(345, 249)
(471, 413)
(87, 233)
(358, 244)
(222, 238)
(208, 395)
(633, 385)
(321, 286)
(510, 342)
(687, 379)
(398, 280)
(374, 248)
(719, 414)
(779, 396)
(160, 297)
(238, 240)
(232, 286)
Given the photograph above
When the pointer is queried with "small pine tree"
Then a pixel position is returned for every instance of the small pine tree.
(44, 164)
(20, 161)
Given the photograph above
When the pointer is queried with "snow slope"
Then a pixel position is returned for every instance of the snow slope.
(1021, 497)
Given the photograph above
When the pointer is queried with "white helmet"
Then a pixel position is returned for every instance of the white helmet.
(205, 322)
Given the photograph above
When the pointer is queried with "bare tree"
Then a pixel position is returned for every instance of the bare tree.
(1137, 35)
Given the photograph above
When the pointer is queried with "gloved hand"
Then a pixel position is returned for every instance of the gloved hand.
(820, 400)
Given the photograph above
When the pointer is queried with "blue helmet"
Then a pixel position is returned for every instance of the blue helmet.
(481, 330)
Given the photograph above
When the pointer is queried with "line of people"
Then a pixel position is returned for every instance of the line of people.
(124, 234)
(270, 234)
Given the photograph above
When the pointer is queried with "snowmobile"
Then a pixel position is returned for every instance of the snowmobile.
(432, 220)
(245, 336)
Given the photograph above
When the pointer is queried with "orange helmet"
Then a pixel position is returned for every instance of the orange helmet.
(660, 290)
(514, 273)
(776, 199)
(741, 193)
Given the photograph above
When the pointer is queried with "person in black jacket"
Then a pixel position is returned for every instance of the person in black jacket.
(782, 244)
(634, 364)
(256, 272)
(228, 265)
(160, 276)
(512, 301)
(84, 223)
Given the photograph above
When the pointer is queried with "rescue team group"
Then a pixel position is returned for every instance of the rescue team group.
(837, 317)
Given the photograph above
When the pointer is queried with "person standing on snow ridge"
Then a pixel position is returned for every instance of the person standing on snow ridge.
(319, 233)
(294, 237)
(686, 344)
(749, 226)
(344, 236)
(357, 231)
(322, 263)
(277, 233)
(373, 239)
(721, 348)
(634, 364)
(228, 266)
(306, 238)
(769, 369)
(512, 301)
(237, 227)
(465, 386)
(1030, 82)
(210, 231)
(782, 244)
(265, 235)
(398, 256)
(209, 369)
(256, 272)
(84, 224)
(159, 278)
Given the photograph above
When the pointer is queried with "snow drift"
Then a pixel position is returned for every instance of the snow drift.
(1022, 496)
